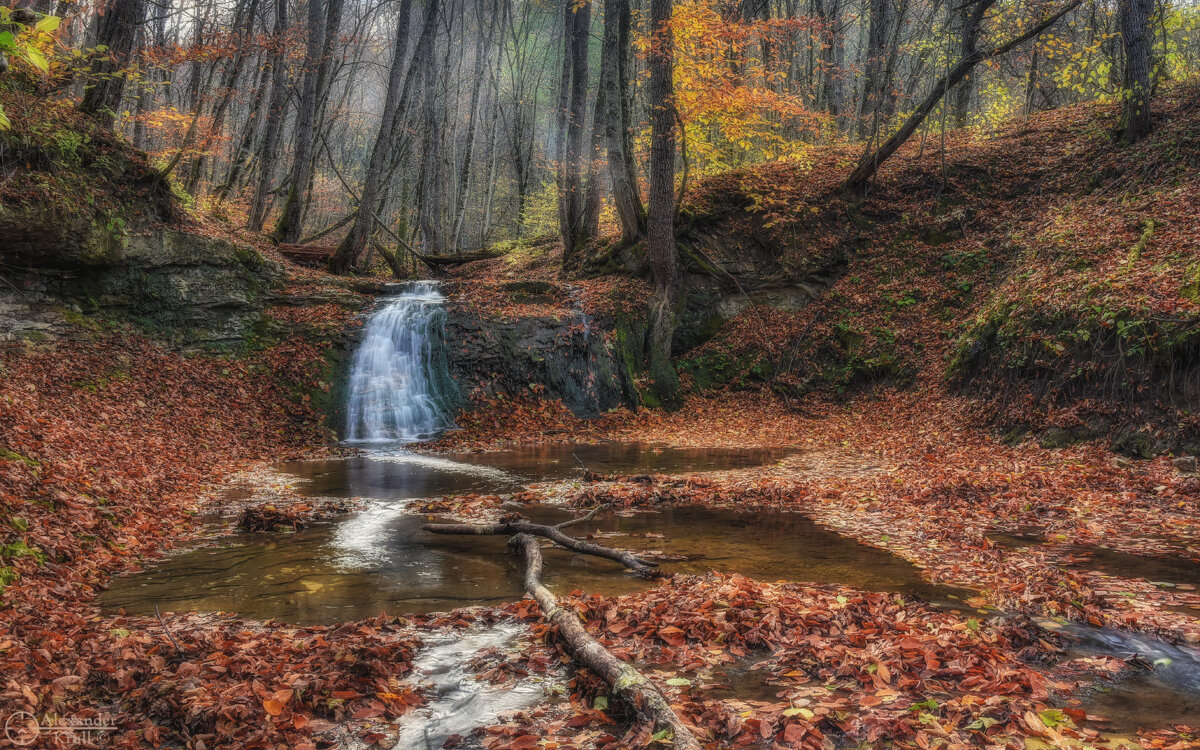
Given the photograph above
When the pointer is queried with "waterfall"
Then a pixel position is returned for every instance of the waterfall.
(394, 377)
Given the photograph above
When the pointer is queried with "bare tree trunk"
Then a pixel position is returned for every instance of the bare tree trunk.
(1031, 81)
(614, 86)
(594, 183)
(351, 248)
(274, 125)
(482, 54)
(970, 19)
(245, 21)
(889, 71)
(1136, 122)
(117, 30)
(874, 83)
(643, 568)
(241, 154)
(570, 181)
(832, 54)
(664, 257)
(287, 229)
(142, 100)
(430, 208)
(627, 684)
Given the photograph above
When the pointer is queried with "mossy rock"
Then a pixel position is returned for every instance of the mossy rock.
(1065, 437)
(1136, 444)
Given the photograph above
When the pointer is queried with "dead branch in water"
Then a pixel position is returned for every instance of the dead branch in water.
(644, 568)
(627, 683)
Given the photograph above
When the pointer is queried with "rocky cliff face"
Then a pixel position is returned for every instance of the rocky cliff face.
(553, 349)
(189, 289)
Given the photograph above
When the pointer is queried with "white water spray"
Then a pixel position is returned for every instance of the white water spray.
(394, 375)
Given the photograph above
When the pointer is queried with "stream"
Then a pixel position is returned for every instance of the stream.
(379, 560)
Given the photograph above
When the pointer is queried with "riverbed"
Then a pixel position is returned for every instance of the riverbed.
(379, 560)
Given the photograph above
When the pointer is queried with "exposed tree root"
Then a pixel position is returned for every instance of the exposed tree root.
(627, 683)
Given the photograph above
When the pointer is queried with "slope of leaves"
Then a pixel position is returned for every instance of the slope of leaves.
(1052, 270)
(59, 160)
(107, 445)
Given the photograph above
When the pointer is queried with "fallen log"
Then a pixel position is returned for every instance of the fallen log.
(306, 255)
(459, 259)
(644, 568)
(627, 683)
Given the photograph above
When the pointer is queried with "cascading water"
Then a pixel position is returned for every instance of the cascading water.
(396, 376)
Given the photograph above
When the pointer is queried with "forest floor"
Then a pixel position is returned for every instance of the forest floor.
(113, 446)
(900, 472)
(890, 469)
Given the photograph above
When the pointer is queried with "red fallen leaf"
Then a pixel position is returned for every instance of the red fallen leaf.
(672, 635)
(523, 742)
(884, 672)
(453, 740)
(367, 712)
(346, 694)
(794, 732)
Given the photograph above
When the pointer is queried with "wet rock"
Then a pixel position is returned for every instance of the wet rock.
(568, 358)
(1186, 464)
(730, 264)
(1136, 445)
(1063, 437)
(535, 292)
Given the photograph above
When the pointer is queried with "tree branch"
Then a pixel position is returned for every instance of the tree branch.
(627, 683)
(857, 181)
(644, 568)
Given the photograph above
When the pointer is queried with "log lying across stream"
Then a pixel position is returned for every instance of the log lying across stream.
(627, 683)
(644, 568)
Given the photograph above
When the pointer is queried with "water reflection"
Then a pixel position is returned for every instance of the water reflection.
(381, 561)
(396, 475)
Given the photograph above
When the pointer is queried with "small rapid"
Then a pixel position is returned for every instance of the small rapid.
(459, 701)
(397, 376)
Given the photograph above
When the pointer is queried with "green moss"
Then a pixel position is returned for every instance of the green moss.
(1191, 288)
(7, 455)
(694, 260)
(630, 340)
(1064, 437)
(1135, 445)
(78, 319)
(95, 385)
(8, 576)
(1135, 252)
(20, 549)
(982, 335)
